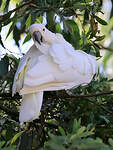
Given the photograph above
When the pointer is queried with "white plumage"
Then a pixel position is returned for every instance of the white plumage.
(50, 64)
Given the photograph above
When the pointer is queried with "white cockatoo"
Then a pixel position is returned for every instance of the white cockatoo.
(50, 64)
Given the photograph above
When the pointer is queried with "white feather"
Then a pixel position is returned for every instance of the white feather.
(30, 106)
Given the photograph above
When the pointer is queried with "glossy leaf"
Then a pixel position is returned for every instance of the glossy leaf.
(16, 137)
(28, 21)
(1, 42)
(7, 5)
(101, 21)
(62, 131)
(2, 143)
(58, 28)
(100, 38)
(27, 38)
(39, 20)
(74, 31)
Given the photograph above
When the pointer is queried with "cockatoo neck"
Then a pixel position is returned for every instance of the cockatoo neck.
(43, 47)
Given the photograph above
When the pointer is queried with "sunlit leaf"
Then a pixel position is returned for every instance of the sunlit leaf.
(58, 27)
(28, 21)
(40, 19)
(16, 137)
(62, 131)
(101, 21)
(100, 38)
(2, 143)
(27, 38)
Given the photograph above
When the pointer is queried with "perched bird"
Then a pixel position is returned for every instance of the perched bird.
(50, 64)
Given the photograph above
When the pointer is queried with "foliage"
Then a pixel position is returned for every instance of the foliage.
(79, 22)
(78, 139)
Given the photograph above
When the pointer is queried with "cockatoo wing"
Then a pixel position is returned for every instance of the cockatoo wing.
(60, 56)
(84, 63)
(60, 69)
(19, 76)
(24, 64)
(66, 57)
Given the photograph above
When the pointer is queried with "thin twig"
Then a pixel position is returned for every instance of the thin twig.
(43, 7)
(14, 113)
(9, 95)
(106, 48)
(30, 3)
(19, 7)
(86, 96)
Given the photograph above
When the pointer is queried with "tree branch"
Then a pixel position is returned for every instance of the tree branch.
(91, 95)
(106, 48)
(9, 95)
(13, 113)
(30, 3)
(43, 7)
(80, 96)
(19, 7)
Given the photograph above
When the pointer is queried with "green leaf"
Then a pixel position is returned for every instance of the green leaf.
(10, 29)
(6, 19)
(78, 133)
(12, 147)
(97, 49)
(51, 20)
(40, 19)
(4, 64)
(76, 125)
(16, 137)
(6, 5)
(62, 131)
(101, 21)
(74, 31)
(86, 17)
(27, 38)
(106, 58)
(111, 80)
(100, 38)
(58, 28)
(2, 143)
(1, 42)
(28, 21)
(14, 20)
(93, 34)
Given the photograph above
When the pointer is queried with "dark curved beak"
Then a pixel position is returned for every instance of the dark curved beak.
(38, 37)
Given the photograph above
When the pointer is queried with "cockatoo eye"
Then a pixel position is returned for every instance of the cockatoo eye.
(43, 29)
(38, 37)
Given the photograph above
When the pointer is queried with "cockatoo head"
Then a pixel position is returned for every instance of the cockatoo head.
(41, 34)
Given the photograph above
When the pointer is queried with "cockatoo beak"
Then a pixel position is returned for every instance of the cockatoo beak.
(38, 37)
